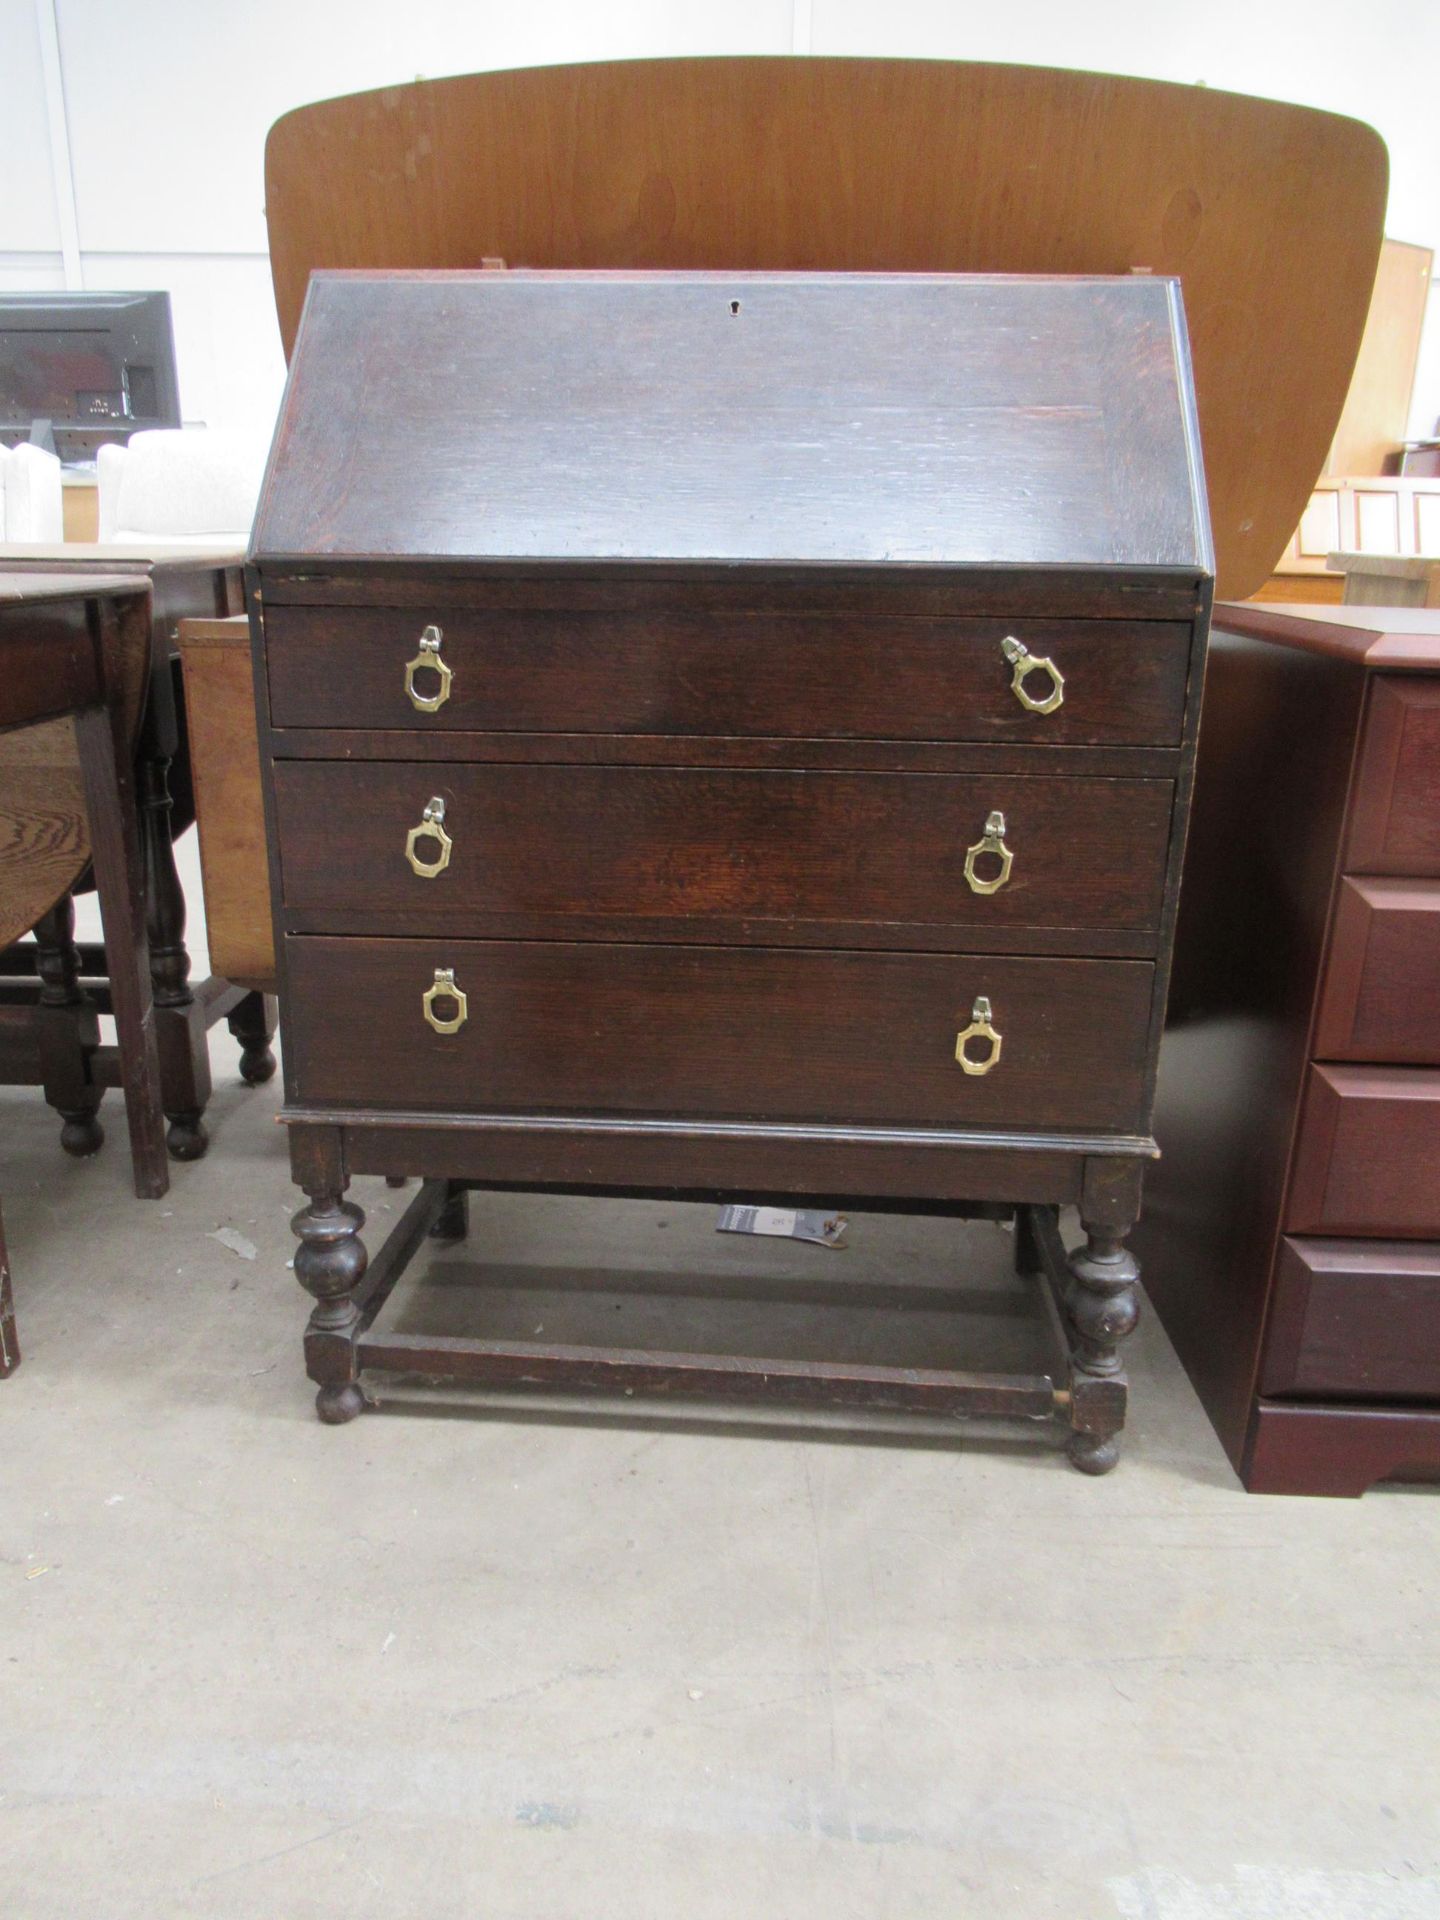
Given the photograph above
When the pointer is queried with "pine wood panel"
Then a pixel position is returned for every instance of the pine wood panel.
(853, 165)
(1377, 406)
(229, 806)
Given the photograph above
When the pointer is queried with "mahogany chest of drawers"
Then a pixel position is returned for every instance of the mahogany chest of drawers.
(730, 734)
(1292, 1233)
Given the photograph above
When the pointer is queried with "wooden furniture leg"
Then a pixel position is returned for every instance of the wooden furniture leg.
(180, 1022)
(252, 1023)
(1101, 1309)
(9, 1344)
(453, 1220)
(67, 1029)
(330, 1263)
(119, 882)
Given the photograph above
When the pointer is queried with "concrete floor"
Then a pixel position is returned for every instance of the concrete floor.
(507, 1660)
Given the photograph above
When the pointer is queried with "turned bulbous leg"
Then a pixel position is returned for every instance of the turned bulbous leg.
(1102, 1301)
(1102, 1307)
(68, 1032)
(330, 1263)
(179, 1019)
(253, 1024)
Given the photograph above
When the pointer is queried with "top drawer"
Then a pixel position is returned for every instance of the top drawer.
(810, 676)
(1395, 815)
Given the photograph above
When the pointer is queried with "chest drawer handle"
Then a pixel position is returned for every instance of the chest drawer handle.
(978, 1029)
(1025, 662)
(444, 988)
(428, 657)
(431, 827)
(991, 841)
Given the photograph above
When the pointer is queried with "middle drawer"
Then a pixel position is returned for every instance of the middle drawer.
(706, 853)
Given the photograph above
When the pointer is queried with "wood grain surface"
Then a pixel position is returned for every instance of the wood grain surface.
(45, 839)
(814, 420)
(44, 828)
(852, 165)
(702, 853)
(734, 1031)
(816, 676)
(229, 807)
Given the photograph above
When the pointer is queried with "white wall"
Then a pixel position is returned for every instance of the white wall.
(160, 108)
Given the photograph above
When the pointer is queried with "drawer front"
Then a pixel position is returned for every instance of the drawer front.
(765, 675)
(1381, 997)
(734, 1032)
(698, 849)
(1359, 1319)
(1395, 815)
(1368, 1156)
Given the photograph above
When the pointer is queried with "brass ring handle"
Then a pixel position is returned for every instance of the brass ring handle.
(1025, 662)
(978, 1029)
(444, 988)
(428, 656)
(431, 827)
(991, 841)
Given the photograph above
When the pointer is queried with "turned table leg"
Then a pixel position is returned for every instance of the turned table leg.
(68, 1029)
(330, 1263)
(179, 1017)
(1102, 1308)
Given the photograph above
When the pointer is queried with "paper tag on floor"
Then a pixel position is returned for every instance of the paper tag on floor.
(786, 1223)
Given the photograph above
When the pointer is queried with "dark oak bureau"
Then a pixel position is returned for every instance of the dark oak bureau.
(730, 734)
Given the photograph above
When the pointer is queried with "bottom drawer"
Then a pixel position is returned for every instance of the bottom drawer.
(746, 1033)
(1358, 1319)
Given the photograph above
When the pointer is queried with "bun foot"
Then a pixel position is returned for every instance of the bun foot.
(257, 1065)
(1093, 1453)
(81, 1135)
(252, 1023)
(186, 1136)
(337, 1406)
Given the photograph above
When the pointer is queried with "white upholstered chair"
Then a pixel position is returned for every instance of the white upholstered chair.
(31, 507)
(185, 486)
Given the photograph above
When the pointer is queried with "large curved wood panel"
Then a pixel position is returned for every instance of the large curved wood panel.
(1271, 215)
